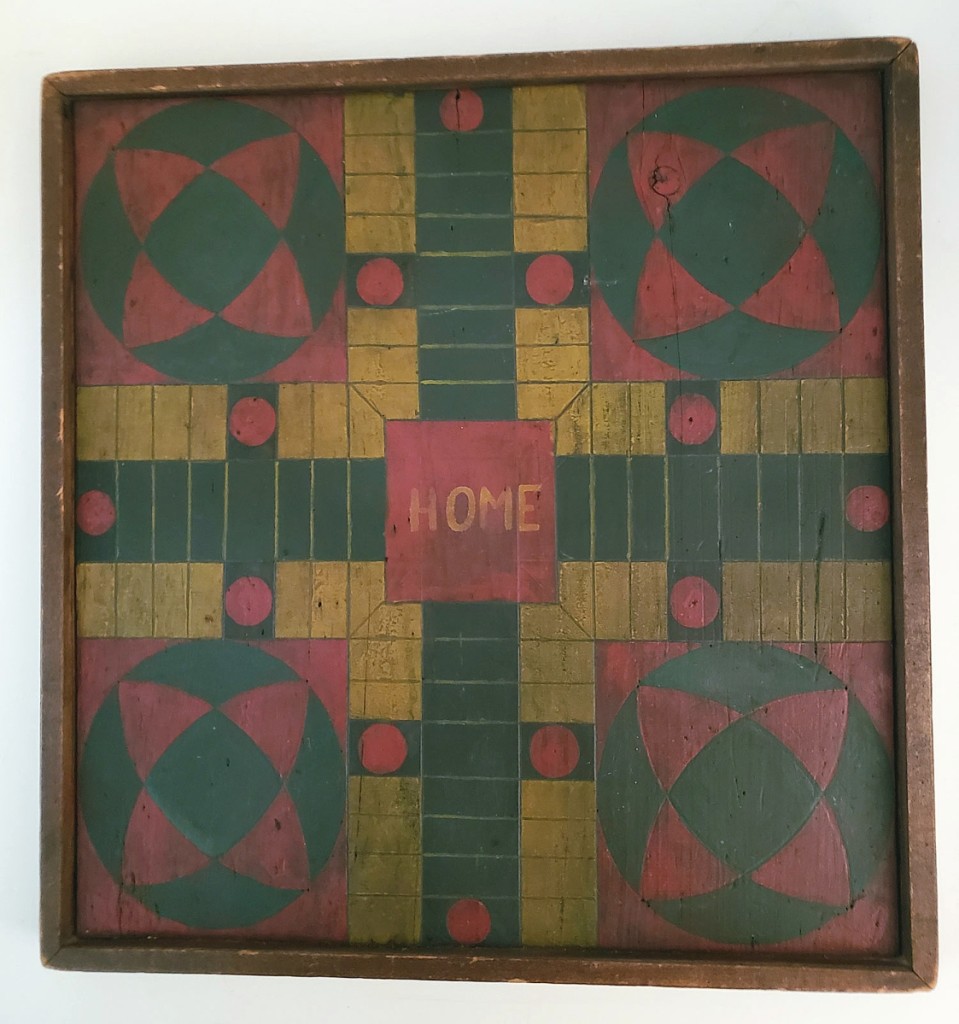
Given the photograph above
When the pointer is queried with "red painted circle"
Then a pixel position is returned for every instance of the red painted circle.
(693, 602)
(380, 282)
(549, 279)
(382, 748)
(248, 600)
(867, 508)
(252, 421)
(468, 922)
(461, 110)
(96, 512)
(692, 419)
(554, 751)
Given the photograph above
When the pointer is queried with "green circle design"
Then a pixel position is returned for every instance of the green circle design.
(711, 794)
(216, 814)
(767, 231)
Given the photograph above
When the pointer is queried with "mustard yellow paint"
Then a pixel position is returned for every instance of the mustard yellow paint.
(611, 409)
(170, 599)
(821, 410)
(392, 401)
(206, 599)
(403, 621)
(171, 422)
(549, 234)
(739, 417)
(556, 702)
(558, 799)
(384, 920)
(378, 113)
(549, 195)
(650, 600)
(823, 601)
(545, 837)
(135, 604)
(380, 233)
(383, 833)
(558, 325)
(545, 151)
(552, 363)
(377, 797)
(380, 193)
(741, 600)
(613, 605)
(330, 432)
(559, 921)
(366, 428)
(779, 416)
(386, 874)
(868, 601)
(379, 154)
(370, 326)
(549, 622)
(549, 106)
(208, 419)
(135, 422)
(367, 592)
(385, 659)
(96, 599)
(647, 418)
(329, 600)
(574, 426)
(576, 593)
(385, 699)
(780, 590)
(96, 423)
(556, 661)
(866, 414)
(293, 596)
(545, 401)
(295, 421)
(550, 876)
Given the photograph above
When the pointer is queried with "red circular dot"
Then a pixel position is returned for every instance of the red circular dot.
(252, 421)
(461, 110)
(549, 279)
(693, 602)
(692, 419)
(554, 751)
(867, 508)
(95, 512)
(382, 748)
(468, 922)
(380, 282)
(248, 600)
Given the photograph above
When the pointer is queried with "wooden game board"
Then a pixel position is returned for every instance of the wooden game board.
(487, 526)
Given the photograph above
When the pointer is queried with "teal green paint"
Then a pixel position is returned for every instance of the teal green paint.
(488, 837)
(204, 130)
(694, 508)
(487, 660)
(97, 476)
(470, 701)
(215, 897)
(478, 877)
(461, 234)
(315, 232)
(479, 620)
(207, 511)
(739, 508)
(213, 670)
(859, 471)
(733, 231)
(367, 509)
(293, 512)
(729, 116)
(610, 508)
(171, 511)
(745, 913)
(466, 326)
(135, 512)
(472, 750)
(744, 795)
(628, 796)
(217, 353)
(330, 514)
(862, 794)
(211, 241)
(779, 495)
(453, 153)
(821, 507)
(848, 227)
(108, 784)
(250, 524)
(464, 281)
(477, 194)
(619, 237)
(317, 785)
(468, 364)
(463, 798)
(573, 508)
(468, 401)
(647, 496)
(265, 629)
(108, 248)
(213, 783)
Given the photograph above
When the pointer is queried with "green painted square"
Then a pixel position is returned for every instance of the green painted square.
(450, 234)
(330, 512)
(476, 619)
(468, 401)
(97, 476)
(367, 490)
(134, 527)
(456, 326)
(471, 751)
(250, 519)
(459, 364)
(482, 660)
(171, 516)
(448, 701)
(207, 511)
(486, 798)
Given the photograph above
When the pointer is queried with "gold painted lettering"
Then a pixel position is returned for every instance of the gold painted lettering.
(417, 510)
(451, 520)
(524, 507)
(487, 502)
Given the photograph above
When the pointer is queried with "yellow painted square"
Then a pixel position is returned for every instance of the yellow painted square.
(559, 325)
(549, 106)
(559, 921)
(171, 421)
(866, 411)
(552, 363)
(576, 593)
(384, 920)
(868, 601)
(556, 702)
(208, 417)
(384, 833)
(380, 233)
(824, 601)
(378, 113)
(134, 599)
(556, 661)
(549, 195)
(739, 417)
(392, 401)
(612, 603)
(370, 326)
(295, 421)
(135, 422)
(329, 600)
(549, 622)
(293, 598)
(546, 234)
(96, 599)
(541, 798)
(389, 659)
(374, 363)
(821, 408)
(171, 606)
(378, 154)
(366, 428)
(647, 418)
(544, 401)
(574, 426)
(649, 600)
(548, 876)
(611, 429)
(329, 420)
(742, 599)
(779, 416)
(96, 423)
(545, 151)
(380, 193)
(367, 592)
(385, 874)
(377, 797)
(206, 599)
(781, 600)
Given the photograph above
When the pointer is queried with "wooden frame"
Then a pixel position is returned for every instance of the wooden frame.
(915, 968)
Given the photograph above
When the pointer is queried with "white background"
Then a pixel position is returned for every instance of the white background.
(42, 36)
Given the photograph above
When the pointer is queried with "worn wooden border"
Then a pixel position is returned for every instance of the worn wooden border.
(916, 966)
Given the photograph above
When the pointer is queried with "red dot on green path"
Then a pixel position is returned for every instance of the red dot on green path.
(95, 513)
(692, 419)
(461, 110)
(867, 508)
(382, 748)
(693, 602)
(380, 282)
(549, 279)
(554, 751)
(252, 421)
(468, 922)
(248, 600)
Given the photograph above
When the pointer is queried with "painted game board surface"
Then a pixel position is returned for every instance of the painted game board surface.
(482, 509)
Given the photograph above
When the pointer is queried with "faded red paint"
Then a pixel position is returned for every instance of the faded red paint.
(266, 170)
(275, 301)
(692, 419)
(676, 863)
(273, 717)
(549, 279)
(380, 282)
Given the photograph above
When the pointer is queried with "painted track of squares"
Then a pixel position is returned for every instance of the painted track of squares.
(483, 518)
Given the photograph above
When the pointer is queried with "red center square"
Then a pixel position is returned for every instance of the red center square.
(470, 511)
